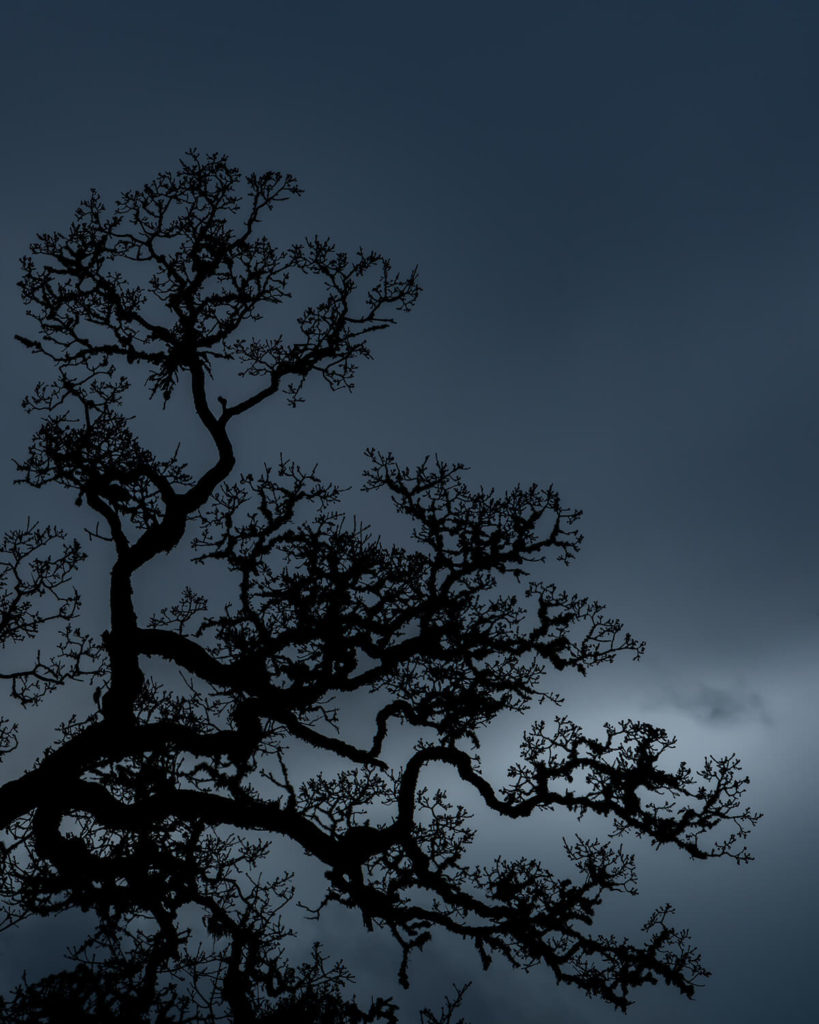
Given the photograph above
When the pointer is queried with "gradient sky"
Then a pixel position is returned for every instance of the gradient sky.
(615, 211)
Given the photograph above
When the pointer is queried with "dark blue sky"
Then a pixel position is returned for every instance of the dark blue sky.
(615, 210)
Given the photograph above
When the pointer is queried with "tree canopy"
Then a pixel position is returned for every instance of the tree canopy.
(157, 806)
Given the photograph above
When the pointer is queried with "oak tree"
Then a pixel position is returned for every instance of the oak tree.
(212, 728)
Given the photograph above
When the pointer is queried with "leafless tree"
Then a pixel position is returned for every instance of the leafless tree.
(155, 807)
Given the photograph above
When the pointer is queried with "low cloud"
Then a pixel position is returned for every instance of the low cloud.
(719, 705)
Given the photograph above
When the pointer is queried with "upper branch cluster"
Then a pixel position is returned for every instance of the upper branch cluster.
(207, 274)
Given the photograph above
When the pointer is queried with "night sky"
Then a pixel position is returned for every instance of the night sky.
(614, 207)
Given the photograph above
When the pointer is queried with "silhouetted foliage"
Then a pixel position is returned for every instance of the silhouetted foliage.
(158, 804)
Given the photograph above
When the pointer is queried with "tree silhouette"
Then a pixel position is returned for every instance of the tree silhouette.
(157, 808)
